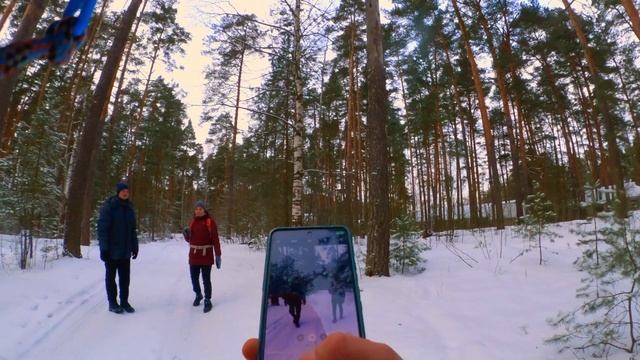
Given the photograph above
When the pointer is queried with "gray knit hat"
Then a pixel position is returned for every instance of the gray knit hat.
(200, 203)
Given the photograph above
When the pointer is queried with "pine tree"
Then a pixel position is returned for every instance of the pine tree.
(539, 215)
(167, 38)
(406, 245)
(161, 139)
(29, 197)
(188, 172)
(377, 262)
(611, 293)
(233, 39)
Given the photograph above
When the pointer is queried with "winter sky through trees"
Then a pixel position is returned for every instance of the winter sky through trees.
(192, 16)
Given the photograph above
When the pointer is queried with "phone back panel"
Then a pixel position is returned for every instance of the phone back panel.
(310, 290)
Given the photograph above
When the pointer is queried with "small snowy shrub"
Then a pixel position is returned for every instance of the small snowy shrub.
(608, 317)
(406, 245)
(535, 224)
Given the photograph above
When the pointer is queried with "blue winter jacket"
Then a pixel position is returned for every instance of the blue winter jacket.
(117, 228)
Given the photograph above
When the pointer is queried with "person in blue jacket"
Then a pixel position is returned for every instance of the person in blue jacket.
(118, 244)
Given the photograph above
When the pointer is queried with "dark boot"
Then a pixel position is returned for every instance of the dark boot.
(197, 300)
(114, 307)
(207, 305)
(128, 308)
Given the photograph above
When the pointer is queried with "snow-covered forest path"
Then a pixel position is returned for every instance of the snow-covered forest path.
(63, 311)
(495, 310)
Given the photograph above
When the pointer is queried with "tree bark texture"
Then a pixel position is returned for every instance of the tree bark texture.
(377, 262)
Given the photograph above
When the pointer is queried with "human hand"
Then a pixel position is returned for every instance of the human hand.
(186, 232)
(336, 346)
(250, 349)
(134, 254)
(218, 261)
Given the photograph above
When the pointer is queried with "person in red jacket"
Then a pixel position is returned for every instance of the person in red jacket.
(202, 236)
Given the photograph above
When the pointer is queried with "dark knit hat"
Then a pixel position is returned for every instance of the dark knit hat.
(200, 203)
(121, 186)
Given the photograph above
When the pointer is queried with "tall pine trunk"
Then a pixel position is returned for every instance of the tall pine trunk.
(591, 153)
(501, 81)
(614, 163)
(230, 172)
(409, 146)
(517, 101)
(421, 186)
(377, 262)
(84, 166)
(7, 11)
(560, 114)
(635, 118)
(350, 132)
(632, 11)
(473, 204)
(496, 191)
(142, 104)
(458, 110)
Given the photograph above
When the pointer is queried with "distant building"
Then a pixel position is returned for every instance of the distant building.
(508, 210)
(603, 195)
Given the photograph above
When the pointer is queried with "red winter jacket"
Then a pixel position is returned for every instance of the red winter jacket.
(203, 241)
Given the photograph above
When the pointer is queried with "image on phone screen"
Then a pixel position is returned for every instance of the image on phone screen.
(311, 290)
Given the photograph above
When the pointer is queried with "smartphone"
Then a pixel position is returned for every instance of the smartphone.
(310, 289)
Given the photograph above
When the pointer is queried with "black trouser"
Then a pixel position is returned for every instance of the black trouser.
(295, 308)
(123, 267)
(206, 279)
(337, 304)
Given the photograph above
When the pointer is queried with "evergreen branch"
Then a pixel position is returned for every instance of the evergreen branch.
(606, 343)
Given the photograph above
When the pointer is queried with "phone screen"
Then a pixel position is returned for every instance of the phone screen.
(311, 290)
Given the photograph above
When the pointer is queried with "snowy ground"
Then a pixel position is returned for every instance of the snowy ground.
(493, 308)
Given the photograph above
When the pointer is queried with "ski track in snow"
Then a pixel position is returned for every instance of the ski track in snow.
(66, 312)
